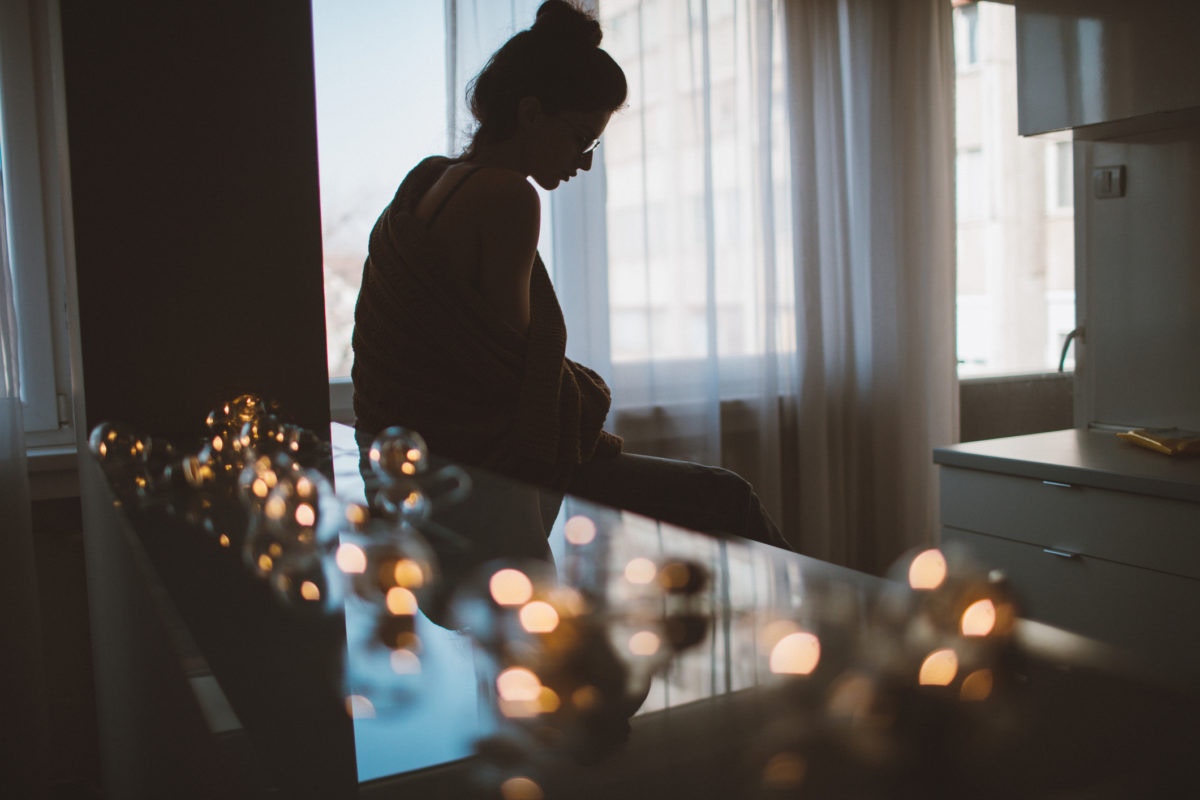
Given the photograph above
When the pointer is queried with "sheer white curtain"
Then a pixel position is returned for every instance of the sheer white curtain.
(23, 728)
(871, 91)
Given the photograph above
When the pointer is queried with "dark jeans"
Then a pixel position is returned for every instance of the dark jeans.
(695, 496)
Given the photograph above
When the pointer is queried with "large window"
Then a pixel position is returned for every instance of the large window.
(381, 107)
(34, 217)
(1016, 278)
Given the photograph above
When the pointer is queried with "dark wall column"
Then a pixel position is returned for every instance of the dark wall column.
(192, 136)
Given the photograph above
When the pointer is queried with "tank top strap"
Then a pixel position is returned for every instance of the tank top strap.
(449, 195)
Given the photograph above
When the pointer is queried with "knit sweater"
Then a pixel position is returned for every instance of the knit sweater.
(431, 355)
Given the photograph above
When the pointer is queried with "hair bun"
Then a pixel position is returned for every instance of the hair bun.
(567, 24)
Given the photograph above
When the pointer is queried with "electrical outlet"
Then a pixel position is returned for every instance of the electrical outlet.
(1108, 182)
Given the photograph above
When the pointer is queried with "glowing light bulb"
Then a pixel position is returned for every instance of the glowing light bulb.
(939, 668)
(795, 654)
(401, 601)
(408, 573)
(977, 686)
(579, 530)
(928, 570)
(351, 559)
(398, 452)
(979, 619)
(521, 788)
(359, 707)
(644, 643)
(640, 571)
(538, 617)
(518, 684)
(405, 662)
(510, 587)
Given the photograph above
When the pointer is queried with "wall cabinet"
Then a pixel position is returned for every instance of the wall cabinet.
(1104, 60)
(1095, 535)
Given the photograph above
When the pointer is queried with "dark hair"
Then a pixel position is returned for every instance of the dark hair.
(558, 61)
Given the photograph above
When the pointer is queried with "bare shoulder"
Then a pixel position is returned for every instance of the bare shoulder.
(510, 198)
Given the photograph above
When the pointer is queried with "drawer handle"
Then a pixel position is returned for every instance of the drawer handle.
(1059, 484)
(1059, 553)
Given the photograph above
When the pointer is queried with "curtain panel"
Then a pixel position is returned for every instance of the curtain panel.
(24, 729)
(872, 115)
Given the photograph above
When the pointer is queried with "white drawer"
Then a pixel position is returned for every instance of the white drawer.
(1150, 532)
(1146, 613)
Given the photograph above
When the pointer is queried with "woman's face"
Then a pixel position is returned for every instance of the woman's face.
(564, 144)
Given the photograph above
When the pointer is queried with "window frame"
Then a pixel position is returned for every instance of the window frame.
(37, 209)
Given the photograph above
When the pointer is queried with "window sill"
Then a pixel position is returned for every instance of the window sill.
(53, 472)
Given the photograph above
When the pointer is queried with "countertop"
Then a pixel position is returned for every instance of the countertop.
(356, 697)
(1094, 458)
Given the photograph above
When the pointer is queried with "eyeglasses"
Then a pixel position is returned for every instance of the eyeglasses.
(591, 145)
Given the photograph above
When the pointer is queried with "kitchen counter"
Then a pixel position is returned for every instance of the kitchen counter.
(217, 680)
(1081, 456)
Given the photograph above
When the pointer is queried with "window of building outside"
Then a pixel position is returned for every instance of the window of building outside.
(1016, 241)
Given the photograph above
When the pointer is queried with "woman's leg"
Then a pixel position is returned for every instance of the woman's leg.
(695, 496)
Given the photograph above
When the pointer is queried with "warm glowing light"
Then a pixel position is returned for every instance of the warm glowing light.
(401, 601)
(796, 654)
(223, 540)
(260, 488)
(408, 573)
(356, 514)
(375, 455)
(979, 619)
(977, 685)
(521, 788)
(351, 559)
(306, 515)
(275, 508)
(640, 571)
(265, 563)
(579, 530)
(938, 668)
(538, 617)
(103, 448)
(518, 684)
(548, 701)
(927, 570)
(511, 587)
(217, 444)
(644, 643)
(310, 591)
(359, 707)
(405, 662)
(585, 697)
(275, 549)
(408, 468)
(784, 771)
(413, 454)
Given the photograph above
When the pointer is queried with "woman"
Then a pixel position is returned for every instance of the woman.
(458, 334)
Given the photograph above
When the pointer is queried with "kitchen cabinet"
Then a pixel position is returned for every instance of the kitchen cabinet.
(1095, 535)
(1104, 60)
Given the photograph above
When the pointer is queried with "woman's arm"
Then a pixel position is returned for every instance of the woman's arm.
(510, 222)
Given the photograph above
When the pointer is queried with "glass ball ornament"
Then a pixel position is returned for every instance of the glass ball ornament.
(116, 445)
(232, 415)
(378, 558)
(297, 524)
(153, 462)
(398, 452)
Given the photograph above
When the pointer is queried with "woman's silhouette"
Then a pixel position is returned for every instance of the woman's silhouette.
(458, 333)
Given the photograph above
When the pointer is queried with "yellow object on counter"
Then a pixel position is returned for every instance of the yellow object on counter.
(1168, 441)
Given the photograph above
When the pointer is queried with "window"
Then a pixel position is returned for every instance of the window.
(1016, 289)
(33, 218)
(370, 132)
